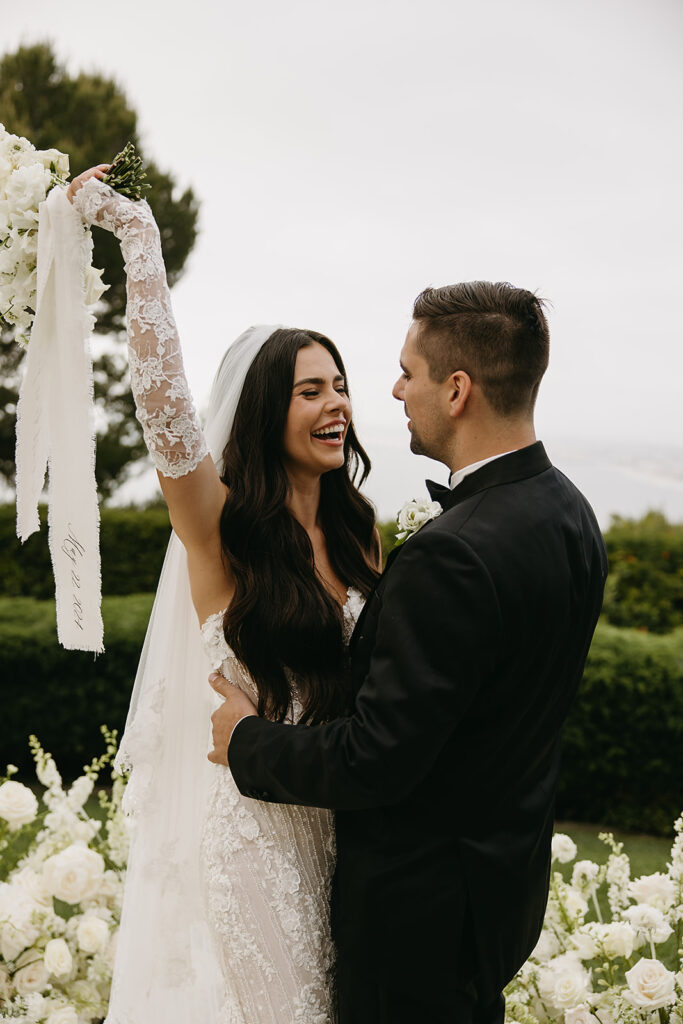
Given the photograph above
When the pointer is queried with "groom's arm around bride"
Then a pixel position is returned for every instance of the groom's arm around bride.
(464, 662)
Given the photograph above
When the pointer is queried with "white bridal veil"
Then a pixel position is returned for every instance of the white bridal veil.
(166, 969)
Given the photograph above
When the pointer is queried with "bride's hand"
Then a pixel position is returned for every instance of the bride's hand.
(93, 172)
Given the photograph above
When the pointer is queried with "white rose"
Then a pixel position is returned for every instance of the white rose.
(563, 849)
(649, 924)
(564, 982)
(65, 1015)
(617, 938)
(92, 934)
(18, 928)
(33, 885)
(586, 945)
(580, 1015)
(658, 890)
(415, 514)
(31, 978)
(58, 959)
(18, 805)
(650, 985)
(74, 874)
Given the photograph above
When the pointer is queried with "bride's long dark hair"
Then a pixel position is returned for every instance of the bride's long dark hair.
(282, 617)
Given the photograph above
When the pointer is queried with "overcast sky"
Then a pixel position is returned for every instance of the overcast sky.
(347, 154)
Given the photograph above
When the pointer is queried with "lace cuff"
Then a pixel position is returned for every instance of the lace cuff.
(163, 401)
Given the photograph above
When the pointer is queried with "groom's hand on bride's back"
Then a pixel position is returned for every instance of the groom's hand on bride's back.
(235, 707)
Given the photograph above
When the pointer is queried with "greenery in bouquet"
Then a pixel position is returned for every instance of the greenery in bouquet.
(610, 950)
(27, 175)
(61, 885)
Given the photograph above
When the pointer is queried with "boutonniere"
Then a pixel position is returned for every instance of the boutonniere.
(414, 515)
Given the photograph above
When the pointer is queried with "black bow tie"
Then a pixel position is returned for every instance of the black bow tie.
(437, 492)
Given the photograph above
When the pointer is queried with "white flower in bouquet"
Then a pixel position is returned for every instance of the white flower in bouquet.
(58, 958)
(31, 978)
(563, 849)
(650, 985)
(580, 1015)
(33, 885)
(658, 890)
(75, 874)
(574, 904)
(585, 875)
(92, 933)
(19, 921)
(649, 923)
(79, 792)
(585, 943)
(64, 1015)
(414, 515)
(547, 947)
(18, 805)
(36, 1007)
(564, 983)
(617, 938)
(5, 984)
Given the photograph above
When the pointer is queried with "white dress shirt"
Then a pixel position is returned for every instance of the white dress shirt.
(459, 475)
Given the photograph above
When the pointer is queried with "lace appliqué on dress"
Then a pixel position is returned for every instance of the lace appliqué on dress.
(170, 425)
(268, 872)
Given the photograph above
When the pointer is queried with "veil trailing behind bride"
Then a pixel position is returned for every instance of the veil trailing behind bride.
(167, 964)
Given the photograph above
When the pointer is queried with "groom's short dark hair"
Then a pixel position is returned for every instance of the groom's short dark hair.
(496, 333)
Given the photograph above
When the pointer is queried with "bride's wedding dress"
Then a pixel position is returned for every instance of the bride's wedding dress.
(265, 869)
(268, 872)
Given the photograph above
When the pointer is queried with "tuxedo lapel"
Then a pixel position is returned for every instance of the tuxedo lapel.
(519, 465)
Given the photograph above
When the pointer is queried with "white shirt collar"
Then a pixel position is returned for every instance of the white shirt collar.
(459, 475)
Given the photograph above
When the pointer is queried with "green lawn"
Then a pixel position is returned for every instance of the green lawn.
(648, 853)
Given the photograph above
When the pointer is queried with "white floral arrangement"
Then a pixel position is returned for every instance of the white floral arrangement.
(414, 514)
(27, 175)
(61, 886)
(606, 971)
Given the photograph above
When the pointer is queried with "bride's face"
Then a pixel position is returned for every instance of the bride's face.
(319, 414)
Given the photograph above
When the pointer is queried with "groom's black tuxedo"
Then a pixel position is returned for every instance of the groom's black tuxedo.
(465, 660)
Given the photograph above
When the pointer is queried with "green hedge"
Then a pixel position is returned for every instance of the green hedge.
(622, 753)
(623, 742)
(645, 583)
(64, 696)
(133, 543)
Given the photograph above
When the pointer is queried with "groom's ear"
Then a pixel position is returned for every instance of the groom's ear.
(459, 386)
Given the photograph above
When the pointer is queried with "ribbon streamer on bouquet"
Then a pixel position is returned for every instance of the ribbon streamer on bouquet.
(55, 425)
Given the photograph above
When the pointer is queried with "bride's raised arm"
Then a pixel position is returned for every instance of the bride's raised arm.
(189, 480)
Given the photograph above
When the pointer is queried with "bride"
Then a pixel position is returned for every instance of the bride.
(226, 906)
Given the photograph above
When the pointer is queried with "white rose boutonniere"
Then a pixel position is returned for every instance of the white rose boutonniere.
(414, 515)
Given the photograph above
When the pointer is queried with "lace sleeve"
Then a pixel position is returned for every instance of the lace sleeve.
(163, 401)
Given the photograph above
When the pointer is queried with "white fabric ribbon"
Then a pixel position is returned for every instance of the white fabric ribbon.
(55, 425)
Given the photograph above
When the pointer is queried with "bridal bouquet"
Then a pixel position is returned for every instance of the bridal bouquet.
(624, 967)
(27, 175)
(61, 884)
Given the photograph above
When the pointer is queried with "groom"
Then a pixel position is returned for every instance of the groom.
(465, 662)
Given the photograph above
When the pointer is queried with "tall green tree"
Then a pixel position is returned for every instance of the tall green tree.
(88, 117)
